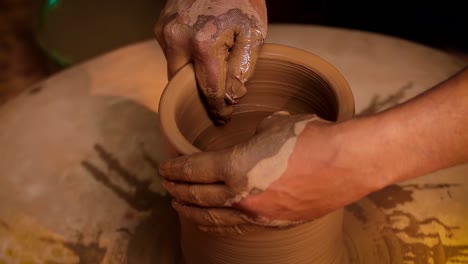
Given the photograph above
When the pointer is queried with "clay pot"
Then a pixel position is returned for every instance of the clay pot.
(287, 79)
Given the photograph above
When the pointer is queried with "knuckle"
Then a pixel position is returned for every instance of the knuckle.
(167, 32)
(198, 37)
(201, 47)
(225, 161)
(232, 167)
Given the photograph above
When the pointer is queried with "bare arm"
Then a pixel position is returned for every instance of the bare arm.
(298, 168)
(425, 134)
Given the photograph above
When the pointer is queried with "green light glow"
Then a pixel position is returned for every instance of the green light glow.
(51, 3)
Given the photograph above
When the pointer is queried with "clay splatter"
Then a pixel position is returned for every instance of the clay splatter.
(422, 241)
(394, 195)
(430, 186)
(142, 199)
(87, 253)
(90, 253)
(377, 104)
(24, 241)
(421, 247)
(148, 242)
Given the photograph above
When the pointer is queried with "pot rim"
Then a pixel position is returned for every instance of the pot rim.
(185, 77)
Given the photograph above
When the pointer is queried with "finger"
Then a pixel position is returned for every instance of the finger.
(200, 195)
(242, 61)
(159, 28)
(205, 167)
(173, 39)
(210, 70)
(210, 216)
(231, 230)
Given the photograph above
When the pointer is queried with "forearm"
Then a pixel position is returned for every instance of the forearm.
(422, 135)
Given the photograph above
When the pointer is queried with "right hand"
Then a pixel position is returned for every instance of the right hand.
(222, 38)
(291, 171)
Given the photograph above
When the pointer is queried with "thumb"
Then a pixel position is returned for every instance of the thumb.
(173, 40)
(241, 63)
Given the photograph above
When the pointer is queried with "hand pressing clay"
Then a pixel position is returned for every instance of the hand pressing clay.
(218, 191)
(223, 179)
(221, 38)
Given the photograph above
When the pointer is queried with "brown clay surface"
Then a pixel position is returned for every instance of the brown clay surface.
(320, 241)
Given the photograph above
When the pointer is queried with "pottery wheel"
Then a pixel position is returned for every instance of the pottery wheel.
(79, 153)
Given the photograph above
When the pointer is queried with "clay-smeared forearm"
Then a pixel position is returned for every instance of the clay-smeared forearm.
(222, 38)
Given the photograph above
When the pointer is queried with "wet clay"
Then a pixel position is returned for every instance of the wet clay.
(254, 171)
(255, 177)
(320, 241)
(285, 79)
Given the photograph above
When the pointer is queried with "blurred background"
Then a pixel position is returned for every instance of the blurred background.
(41, 37)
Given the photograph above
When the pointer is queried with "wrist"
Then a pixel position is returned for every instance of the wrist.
(345, 156)
(363, 151)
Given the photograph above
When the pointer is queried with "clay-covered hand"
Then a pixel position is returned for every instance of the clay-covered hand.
(289, 172)
(222, 38)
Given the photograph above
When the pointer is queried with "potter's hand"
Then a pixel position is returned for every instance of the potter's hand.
(284, 175)
(222, 39)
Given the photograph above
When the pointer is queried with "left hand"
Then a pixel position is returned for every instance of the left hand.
(221, 38)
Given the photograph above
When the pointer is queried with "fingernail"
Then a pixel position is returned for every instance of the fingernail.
(229, 99)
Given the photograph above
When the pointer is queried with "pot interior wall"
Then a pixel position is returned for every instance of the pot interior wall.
(276, 85)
